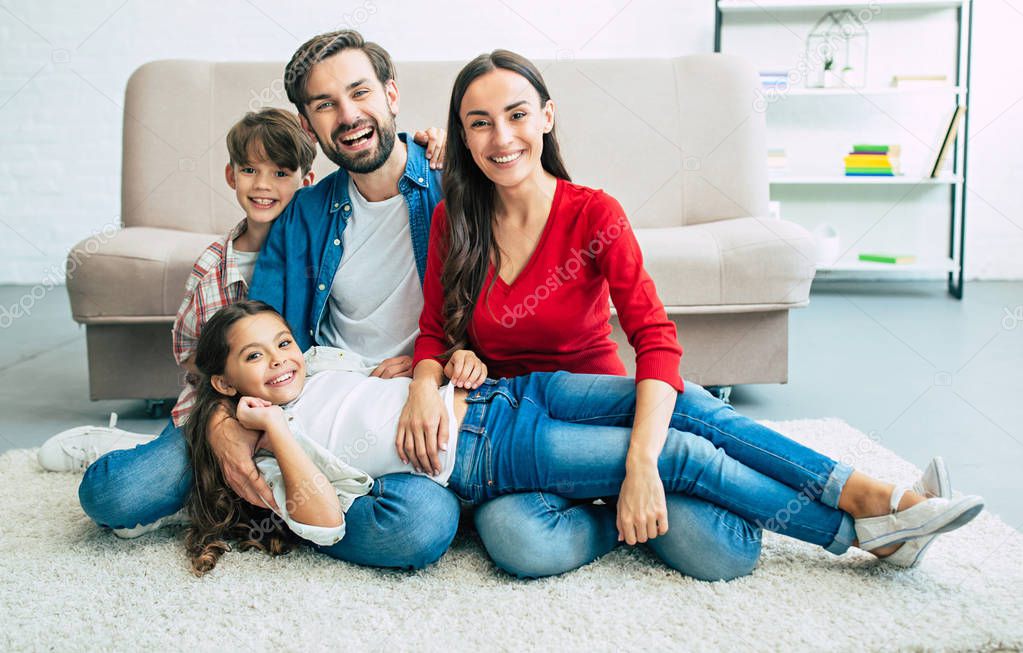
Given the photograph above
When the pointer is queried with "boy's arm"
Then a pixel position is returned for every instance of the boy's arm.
(185, 332)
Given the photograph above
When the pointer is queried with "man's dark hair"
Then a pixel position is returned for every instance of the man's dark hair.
(323, 47)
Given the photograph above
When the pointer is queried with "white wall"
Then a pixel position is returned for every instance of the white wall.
(63, 68)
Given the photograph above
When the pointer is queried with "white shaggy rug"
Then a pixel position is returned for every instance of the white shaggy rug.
(66, 584)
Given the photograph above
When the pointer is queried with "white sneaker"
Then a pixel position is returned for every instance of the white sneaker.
(935, 480)
(931, 517)
(934, 483)
(75, 449)
(180, 518)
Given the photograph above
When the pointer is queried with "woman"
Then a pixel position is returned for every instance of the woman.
(326, 436)
(522, 268)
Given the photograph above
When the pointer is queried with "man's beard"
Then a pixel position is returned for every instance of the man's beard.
(368, 160)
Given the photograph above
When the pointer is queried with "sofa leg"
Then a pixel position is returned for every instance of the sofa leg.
(722, 392)
(157, 408)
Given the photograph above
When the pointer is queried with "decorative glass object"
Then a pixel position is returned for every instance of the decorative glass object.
(836, 50)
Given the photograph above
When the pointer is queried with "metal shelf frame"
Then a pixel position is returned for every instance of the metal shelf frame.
(963, 57)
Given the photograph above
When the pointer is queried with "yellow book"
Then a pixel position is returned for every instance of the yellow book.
(854, 161)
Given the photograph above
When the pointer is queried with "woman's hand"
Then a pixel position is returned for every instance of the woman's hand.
(258, 414)
(434, 140)
(642, 508)
(422, 428)
(465, 369)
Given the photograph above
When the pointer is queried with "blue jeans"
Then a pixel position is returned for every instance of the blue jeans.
(406, 521)
(535, 534)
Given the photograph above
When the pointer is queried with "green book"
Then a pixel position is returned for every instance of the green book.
(880, 172)
(872, 149)
(894, 259)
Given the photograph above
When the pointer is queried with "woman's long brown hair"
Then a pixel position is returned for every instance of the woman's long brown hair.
(218, 515)
(470, 198)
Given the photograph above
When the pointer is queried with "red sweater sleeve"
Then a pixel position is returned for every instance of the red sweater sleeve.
(640, 310)
(431, 342)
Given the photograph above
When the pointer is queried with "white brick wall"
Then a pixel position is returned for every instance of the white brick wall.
(63, 68)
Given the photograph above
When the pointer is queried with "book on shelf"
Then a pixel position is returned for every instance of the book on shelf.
(877, 160)
(892, 259)
(915, 81)
(773, 79)
(777, 159)
(949, 140)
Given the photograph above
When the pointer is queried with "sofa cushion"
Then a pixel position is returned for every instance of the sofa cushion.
(138, 275)
(718, 266)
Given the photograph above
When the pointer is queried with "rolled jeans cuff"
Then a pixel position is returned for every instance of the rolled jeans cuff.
(836, 481)
(845, 536)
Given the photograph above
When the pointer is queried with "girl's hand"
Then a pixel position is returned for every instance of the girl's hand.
(422, 428)
(258, 414)
(642, 508)
(434, 140)
(465, 369)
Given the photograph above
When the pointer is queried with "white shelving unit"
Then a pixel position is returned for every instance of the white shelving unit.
(800, 180)
(773, 14)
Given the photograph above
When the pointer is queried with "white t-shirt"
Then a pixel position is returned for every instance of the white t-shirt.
(375, 298)
(355, 417)
(246, 263)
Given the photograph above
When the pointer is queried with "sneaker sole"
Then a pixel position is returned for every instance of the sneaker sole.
(961, 515)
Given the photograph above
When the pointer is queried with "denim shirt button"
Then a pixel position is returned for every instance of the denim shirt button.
(336, 205)
(347, 207)
(420, 180)
(310, 332)
(337, 241)
(322, 287)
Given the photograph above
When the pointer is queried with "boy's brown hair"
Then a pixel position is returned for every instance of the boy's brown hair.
(323, 47)
(274, 134)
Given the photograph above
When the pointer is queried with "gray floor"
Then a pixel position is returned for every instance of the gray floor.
(923, 373)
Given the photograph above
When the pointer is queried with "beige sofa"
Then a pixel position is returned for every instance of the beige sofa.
(677, 141)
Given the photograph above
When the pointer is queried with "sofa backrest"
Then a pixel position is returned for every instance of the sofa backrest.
(676, 141)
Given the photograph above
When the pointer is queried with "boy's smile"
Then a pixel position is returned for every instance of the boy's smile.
(262, 187)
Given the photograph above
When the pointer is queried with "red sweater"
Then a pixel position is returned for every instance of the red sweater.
(554, 315)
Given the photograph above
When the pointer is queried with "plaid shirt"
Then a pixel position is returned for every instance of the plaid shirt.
(214, 283)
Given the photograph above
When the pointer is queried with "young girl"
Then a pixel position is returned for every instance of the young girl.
(326, 436)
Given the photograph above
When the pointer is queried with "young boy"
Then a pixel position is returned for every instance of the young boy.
(271, 157)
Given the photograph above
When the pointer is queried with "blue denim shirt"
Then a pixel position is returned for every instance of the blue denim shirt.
(300, 257)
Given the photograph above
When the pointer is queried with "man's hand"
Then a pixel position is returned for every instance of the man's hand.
(391, 368)
(465, 369)
(234, 446)
(434, 140)
(642, 508)
(422, 428)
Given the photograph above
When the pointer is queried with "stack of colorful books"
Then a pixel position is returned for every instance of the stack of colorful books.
(873, 161)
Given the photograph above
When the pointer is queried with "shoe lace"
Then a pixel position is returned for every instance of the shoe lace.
(82, 455)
